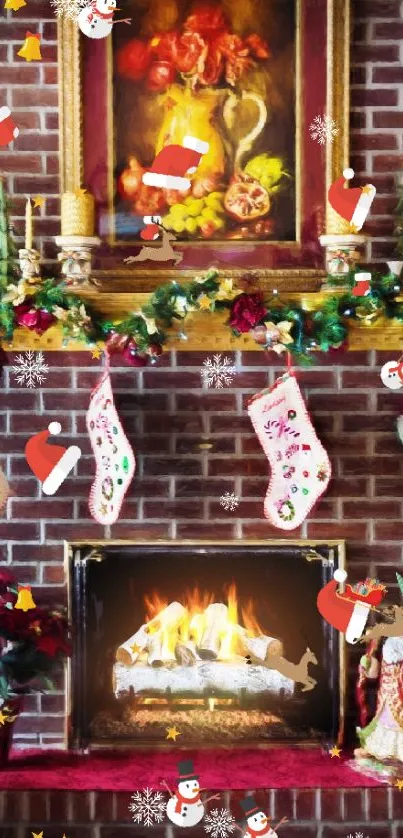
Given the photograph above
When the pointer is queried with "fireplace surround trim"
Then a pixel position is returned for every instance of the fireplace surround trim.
(77, 553)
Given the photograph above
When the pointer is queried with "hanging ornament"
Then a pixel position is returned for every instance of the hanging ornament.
(392, 375)
(31, 48)
(25, 600)
(14, 5)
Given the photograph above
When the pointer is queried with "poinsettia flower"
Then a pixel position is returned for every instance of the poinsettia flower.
(16, 294)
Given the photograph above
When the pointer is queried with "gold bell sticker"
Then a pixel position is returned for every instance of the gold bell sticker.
(25, 600)
(31, 48)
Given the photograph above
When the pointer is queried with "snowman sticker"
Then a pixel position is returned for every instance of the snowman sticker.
(258, 825)
(185, 808)
(96, 19)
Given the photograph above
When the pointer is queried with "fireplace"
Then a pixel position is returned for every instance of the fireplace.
(162, 632)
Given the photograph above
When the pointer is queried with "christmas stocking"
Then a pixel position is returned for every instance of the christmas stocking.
(115, 463)
(300, 467)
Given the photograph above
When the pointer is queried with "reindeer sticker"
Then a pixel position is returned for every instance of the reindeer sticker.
(297, 672)
(163, 253)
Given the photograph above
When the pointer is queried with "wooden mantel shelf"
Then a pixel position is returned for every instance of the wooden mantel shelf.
(206, 331)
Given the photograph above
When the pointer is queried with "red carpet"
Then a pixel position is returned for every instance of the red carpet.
(219, 770)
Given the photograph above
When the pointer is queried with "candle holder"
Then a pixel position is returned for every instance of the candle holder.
(29, 265)
(76, 259)
(342, 252)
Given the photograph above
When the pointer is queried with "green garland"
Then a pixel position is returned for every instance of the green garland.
(275, 325)
(141, 336)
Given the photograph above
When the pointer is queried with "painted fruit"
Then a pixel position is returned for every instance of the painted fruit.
(130, 180)
(246, 200)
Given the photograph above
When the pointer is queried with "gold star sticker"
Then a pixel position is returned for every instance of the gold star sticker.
(366, 190)
(37, 834)
(14, 5)
(97, 351)
(204, 302)
(103, 509)
(172, 733)
(135, 649)
(352, 229)
(399, 784)
(38, 201)
(335, 751)
(3, 718)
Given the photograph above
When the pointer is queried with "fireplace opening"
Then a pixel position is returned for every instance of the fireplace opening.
(162, 633)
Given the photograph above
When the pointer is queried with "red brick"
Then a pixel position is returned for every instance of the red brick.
(330, 801)
(330, 402)
(376, 54)
(387, 75)
(202, 487)
(206, 401)
(372, 509)
(19, 74)
(37, 803)
(386, 162)
(172, 509)
(392, 31)
(389, 530)
(203, 530)
(140, 530)
(80, 807)
(378, 805)
(103, 807)
(370, 465)
(39, 97)
(381, 97)
(218, 468)
(22, 162)
(387, 119)
(343, 530)
(18, 532)
(262, 529)
(171, 380)
(382, 422)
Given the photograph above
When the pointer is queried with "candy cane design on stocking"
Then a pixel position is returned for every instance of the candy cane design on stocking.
(115, 463)
(300, 467)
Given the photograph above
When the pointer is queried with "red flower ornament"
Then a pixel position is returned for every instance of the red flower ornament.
(37, 320)
(246, 312)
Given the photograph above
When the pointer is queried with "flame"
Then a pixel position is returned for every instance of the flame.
(191, 628)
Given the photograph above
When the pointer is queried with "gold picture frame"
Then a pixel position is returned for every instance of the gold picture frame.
(336, 153)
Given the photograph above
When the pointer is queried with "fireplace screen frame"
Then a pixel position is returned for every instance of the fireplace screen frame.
(77, 557)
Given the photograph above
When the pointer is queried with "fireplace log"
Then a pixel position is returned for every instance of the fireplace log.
(258, 646)
(216, 618)
(185, 655)
(170, 616)
(168, 620)
(129, 651)
(205, 678)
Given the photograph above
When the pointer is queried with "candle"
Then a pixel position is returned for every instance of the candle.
(28, 225)
(77, 212)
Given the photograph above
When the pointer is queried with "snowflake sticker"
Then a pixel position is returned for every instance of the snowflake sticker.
(219, 823)
(147, 807)
(229, 501)
(30, 369)
(217, 373)
(323, 129)
(357, 835)
(69, 9)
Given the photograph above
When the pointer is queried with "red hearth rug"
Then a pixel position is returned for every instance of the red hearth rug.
(219, 770)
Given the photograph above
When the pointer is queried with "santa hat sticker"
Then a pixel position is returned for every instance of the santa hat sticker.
(352, 204)
(348, 611)
(173, 162)
(8, 128)
(51, 464)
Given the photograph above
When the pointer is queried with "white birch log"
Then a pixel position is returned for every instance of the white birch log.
(162, 634)
(159, 650)
(205, 677)
(129, 651)
(216, 618)
(259, 646)
(169, 617)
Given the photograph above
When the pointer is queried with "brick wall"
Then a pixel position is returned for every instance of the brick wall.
(177, 489)
(320, 813)
(177, 486)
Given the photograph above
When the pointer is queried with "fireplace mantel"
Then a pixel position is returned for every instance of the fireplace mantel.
(208, 331)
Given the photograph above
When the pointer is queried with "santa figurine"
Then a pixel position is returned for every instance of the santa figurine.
(258, 824)
(96, 19)
(185, 807)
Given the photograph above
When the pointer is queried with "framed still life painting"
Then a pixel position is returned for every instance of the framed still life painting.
(243, 84)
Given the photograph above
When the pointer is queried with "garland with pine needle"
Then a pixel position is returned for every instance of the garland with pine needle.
(140, 337)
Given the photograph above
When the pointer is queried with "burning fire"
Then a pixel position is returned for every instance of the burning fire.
(193, 623)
